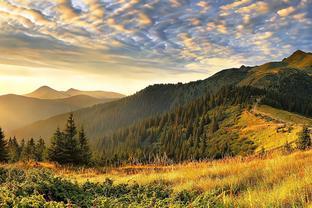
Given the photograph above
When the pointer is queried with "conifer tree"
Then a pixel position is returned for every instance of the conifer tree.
(29, 153)
(55, 150)
(304, 140)
(40, 150)
(22, 150)
(85, 153)
(14, 150)
(70, 150)
(4, 156)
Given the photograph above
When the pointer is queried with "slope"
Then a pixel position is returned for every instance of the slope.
(17, 111)
(46, 92)
(96, 94)
(287, 83)
(151, 101)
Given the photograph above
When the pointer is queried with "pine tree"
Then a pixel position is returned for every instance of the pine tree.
(70, 130)
(29, 153)
(14, 150)
(70, 150)
(304, 140)
(40, 150)
(22, 150)
(214, 125)
(55, 150)
(85, 153)
(4, 156)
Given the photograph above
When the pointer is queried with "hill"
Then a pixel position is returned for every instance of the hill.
(96, 94)
(46, 92)
(153, 100)
(17, 111)
(287, 86)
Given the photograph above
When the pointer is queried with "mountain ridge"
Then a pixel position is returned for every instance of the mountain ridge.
(156, 99)
(46, 92)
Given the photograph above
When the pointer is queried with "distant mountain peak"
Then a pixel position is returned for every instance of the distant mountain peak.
(299, 59)
(45, 87)
(72, 90)
(298, 53)
(46, 92)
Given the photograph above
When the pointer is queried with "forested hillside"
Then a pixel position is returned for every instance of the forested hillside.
(287, 85)
(196, 131)
(151, 101)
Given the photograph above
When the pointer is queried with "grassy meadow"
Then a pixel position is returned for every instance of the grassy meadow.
(274, 180)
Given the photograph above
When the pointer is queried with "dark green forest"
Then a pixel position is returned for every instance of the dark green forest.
(195, 131)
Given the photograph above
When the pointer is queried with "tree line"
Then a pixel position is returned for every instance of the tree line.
(67, 147)
(195, 131)
(192, 132)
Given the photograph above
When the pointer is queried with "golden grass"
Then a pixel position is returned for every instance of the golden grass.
(270, 128)
(277, 180)
(274, 181)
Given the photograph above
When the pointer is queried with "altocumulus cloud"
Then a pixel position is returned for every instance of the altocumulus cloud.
(151, 37)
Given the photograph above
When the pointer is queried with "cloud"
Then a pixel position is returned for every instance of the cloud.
(285, 12)
(259, 7)
(143, 19)
(135, 36)
(234, 4)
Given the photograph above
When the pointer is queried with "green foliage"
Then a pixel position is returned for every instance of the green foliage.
(14, 150)
(188, 132)
(35, 151)
(40, 188)
(151, 101)
(85, 153)
(40, 150)
(291, 91)
(304, 140)
(4, 156)
(69, 148)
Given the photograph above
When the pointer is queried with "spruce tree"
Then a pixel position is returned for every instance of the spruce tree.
(55, 150)
(14, 150)
(70, 149)
(29, 153)
(304, 140)
(40, 150)
(4, 156)
(85, 153)
(22, 150)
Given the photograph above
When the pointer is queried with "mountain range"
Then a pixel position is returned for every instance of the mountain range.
(289, 78)
(46, 92)
(17, 111)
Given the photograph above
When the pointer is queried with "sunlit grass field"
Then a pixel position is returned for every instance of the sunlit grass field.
(270, 128)
(278, 180)
(274, 180)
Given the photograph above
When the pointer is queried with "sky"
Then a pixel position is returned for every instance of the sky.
(126, 45)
